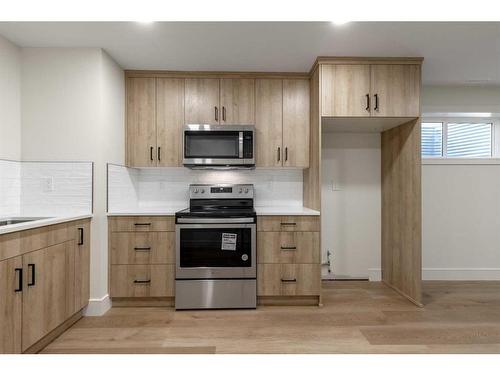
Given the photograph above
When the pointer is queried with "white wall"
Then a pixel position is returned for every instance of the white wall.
(446, 99)
(10, 100)
(73, 109)
(351, 214)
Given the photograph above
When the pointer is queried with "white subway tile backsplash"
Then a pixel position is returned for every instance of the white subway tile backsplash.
(132, 189)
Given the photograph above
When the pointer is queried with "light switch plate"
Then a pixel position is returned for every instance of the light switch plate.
(47, 184)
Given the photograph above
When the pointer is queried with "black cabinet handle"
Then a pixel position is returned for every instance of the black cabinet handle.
(288, 280)
(288, 247)
(223, 113)
(368, 102)
(279, 153)
(376, 102)
(142, 248)
(80, 236)
(286, 153)
(288, 223)
(20, 284)
(159, 153)
(151, 153)
(216, 113)
(139, 224)
(142, 281)
(33, 274)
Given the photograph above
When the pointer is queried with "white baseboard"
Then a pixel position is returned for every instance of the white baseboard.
(374, 274)
(461, 274)
(98, 306)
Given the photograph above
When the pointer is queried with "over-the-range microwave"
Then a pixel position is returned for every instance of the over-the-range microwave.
(219, 146)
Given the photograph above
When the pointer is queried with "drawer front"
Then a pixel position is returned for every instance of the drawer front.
(142, 247)
(288, 223)
(142, 280)
(288, 247)
(141, 224)
(288, 279)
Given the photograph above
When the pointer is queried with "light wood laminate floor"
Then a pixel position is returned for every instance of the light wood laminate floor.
(357, 317)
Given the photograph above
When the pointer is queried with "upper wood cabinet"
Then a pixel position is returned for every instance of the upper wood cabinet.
(169, 121)
(155, 116)
(296, 123)
(370, 90)
(202, 101)
(237, 101)
(141, 125)
(346, 90)
(282, 123)
(220, 101)
(396, 90)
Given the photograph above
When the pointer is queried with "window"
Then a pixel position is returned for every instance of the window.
(457, 139)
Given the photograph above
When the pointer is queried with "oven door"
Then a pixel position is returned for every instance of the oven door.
(215, 251)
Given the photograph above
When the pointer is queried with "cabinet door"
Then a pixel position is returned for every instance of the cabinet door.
(82, 265)
(202, 101)
(345, 90)
(296, 123)
(10, 305)
(237, 100)
(155, 280)
(269, 122)
(141, 127)
(44, 292)
(395, 90)
(169, 121)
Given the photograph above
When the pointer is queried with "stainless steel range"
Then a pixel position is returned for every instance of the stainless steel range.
(216, 248)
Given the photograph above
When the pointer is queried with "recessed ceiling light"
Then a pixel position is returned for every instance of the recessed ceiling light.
(339, 22)
(145, 22)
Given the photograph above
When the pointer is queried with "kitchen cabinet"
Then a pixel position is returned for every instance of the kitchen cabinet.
(202, 101)
(11, 287)
(81, 247)
(288, 280)
(169, 121)
(44, 292)
(282, 123)
(370, 90)
(141, 125)
(396, 90)
(288, 247)
(142, 259)
(237, 101)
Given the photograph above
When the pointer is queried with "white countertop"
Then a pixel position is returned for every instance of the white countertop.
(40, 223)
(261, 210)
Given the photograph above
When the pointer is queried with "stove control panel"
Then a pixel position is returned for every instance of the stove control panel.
(223, 191)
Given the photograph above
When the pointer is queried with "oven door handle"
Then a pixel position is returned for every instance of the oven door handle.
(239, 220)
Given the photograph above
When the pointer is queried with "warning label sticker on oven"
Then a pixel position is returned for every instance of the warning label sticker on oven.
(229, 241)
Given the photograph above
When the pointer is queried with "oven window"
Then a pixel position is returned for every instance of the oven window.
(213, 144)
(215, 247)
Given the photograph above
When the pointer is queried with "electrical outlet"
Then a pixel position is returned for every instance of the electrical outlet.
(336, 186)
(47, 184)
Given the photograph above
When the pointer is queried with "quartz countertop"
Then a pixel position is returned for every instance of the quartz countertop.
(261, 211)
(39, 223)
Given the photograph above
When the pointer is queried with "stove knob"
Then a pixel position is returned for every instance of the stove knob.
(196, 191)
(241, 190)
(202, 191)
(246, 190)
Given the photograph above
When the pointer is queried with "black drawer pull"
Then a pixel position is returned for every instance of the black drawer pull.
(139, 224)
(288, 247)
(80, 240)
(20, 285)
(142, 248)
(33, 274)
(368, 102)
(288, 280)
(142, 281)
(291, 224)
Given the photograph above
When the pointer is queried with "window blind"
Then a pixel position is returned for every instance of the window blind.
(469, 140)
(432, 139)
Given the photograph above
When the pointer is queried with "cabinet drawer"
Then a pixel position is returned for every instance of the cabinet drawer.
(142, 280)
(288, 223)
(142, 247)
(288, 247)
(141, 224)
(288, 279)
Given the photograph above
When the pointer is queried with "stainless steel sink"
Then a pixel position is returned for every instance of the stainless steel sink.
(19, 220)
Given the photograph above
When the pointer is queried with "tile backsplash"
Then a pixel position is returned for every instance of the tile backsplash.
(132, 189)
(45, 188)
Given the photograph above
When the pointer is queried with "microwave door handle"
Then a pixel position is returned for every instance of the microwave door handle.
(240, 155)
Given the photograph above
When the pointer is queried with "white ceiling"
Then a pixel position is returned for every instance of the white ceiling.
(455, 53)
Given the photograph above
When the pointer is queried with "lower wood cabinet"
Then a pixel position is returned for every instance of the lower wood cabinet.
(155, 280)
(43, 286)
(142, 257)
(288, 279)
